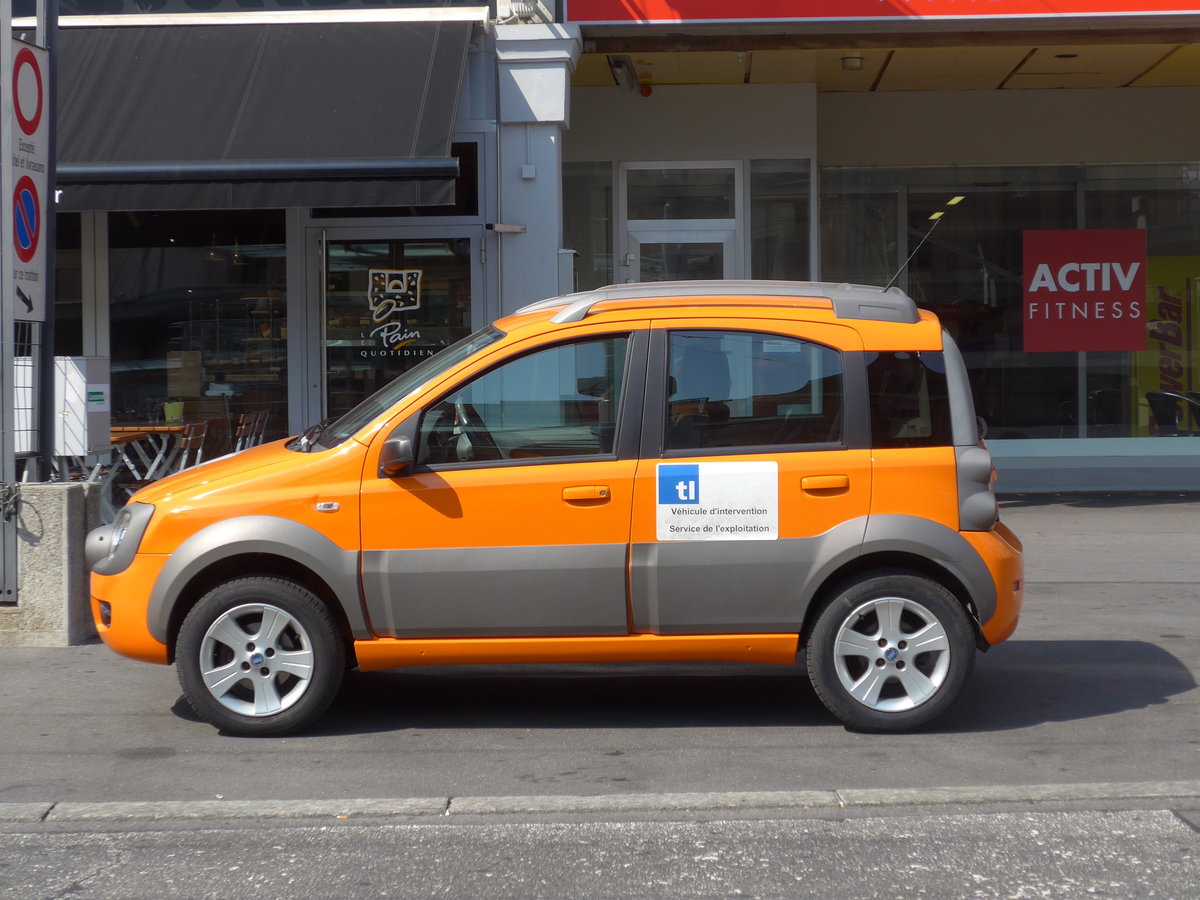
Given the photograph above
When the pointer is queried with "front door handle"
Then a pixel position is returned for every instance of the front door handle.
(825, 484)
(584, 492)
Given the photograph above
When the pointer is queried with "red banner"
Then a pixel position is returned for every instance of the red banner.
(668, 11)
(1085, 290)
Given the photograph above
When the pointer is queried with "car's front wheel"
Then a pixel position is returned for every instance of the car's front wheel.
(260, 656)
(890, 651)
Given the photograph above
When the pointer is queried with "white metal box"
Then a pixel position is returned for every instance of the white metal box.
(83, 405)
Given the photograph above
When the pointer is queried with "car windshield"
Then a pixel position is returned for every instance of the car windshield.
(333, 433)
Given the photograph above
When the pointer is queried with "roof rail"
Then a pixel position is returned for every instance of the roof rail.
(850, 301)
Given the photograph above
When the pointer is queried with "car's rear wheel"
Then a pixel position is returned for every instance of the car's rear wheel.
(890, 651)
(260, 656)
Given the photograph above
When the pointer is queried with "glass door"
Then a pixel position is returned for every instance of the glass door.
(389, 300)
(677, 254)
(680, 221)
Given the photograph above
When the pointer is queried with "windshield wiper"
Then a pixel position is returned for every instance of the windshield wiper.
(308, 439)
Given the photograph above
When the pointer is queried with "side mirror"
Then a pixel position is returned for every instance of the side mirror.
(396, 457)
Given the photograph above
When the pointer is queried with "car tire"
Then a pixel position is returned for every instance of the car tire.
(890, 651)
(260, 656)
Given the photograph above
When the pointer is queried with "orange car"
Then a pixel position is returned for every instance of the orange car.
(696, 471)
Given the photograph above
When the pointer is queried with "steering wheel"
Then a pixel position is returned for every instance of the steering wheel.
(471, 425)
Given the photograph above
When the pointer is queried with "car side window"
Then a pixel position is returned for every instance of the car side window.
(751, 389)
(910, 405)
(558, 402)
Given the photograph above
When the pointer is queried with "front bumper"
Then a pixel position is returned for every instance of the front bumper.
(119, 608)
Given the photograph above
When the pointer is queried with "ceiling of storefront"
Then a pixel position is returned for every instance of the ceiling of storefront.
(907, 68)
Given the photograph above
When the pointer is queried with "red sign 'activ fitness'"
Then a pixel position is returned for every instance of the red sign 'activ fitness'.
(1085, 290)
(675, 11)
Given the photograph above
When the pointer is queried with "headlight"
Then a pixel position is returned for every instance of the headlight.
(110, 549)
(120, 528)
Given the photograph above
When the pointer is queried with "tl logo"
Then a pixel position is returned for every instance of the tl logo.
(679, 484)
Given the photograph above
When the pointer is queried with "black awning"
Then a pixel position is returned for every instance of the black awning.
(258, 116)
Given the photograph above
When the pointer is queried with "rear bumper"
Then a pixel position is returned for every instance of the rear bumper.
(1001, 550)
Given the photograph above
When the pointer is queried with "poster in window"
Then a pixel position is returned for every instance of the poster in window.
(1084, 290)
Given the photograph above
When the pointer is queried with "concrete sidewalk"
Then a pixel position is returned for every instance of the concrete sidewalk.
(1183, 796)
(1095, 699)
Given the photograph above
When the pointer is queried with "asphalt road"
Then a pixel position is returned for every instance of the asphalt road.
(1099, 684)
(1072, 766)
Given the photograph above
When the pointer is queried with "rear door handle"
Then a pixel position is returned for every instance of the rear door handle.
(583, 492)
(825, 484)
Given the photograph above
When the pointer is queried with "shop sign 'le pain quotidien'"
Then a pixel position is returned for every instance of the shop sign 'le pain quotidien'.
(392, 293)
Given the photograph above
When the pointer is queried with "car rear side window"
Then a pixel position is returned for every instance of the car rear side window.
(751, 389)
(910, 406)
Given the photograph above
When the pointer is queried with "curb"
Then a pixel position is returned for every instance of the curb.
(845, 798)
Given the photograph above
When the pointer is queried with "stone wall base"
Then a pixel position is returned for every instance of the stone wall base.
(53, 605)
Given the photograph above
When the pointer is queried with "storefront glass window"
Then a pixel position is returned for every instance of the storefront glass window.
(691, 193)
(681, 260)
(198, 317)
(1164, 201)
(779, 226)
(969, 270)
(68, 286)
(587, 221)
(389, 304)
(969, 273)
(779, 220)
(859, 220)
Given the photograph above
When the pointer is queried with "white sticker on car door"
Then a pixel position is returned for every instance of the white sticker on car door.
(718, 501)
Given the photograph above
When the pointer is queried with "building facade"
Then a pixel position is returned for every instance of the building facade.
(283, 210)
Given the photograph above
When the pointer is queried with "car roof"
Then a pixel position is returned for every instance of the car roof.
(847, 301)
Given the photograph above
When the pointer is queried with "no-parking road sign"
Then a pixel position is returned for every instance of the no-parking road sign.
(27, 219)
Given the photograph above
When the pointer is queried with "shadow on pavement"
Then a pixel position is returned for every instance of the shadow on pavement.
(1024, 683)
(582, 696)
(1017, 685)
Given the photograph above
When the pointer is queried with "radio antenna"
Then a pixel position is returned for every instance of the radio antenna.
(935, 218)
